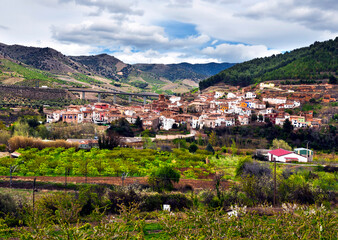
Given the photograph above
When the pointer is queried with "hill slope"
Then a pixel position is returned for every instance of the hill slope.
(23, 65)
(46, 59)
(314, 62)
(174, 72)
(104, 65)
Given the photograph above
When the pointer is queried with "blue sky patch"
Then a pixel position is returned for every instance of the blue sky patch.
(176, 29)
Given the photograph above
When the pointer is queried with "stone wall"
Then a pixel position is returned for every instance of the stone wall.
(35, 93)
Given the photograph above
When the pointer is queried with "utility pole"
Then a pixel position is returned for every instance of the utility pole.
(34, 191)
(123, 177)
(275, 185)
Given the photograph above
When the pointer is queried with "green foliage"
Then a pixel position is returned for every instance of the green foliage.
(163, 178)
(332, 79)
(121, 127)
(193, 148)
(304, 63)
(84, 78)
(96, 162)
(29, 73)
(213, 138)
(241, 164)
(139, 84)
(7, 204)
(209, 148)
(278, 143)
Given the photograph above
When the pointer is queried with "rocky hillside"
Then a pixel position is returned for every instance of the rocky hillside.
(23, 65)
(104, 65)
(46, 59)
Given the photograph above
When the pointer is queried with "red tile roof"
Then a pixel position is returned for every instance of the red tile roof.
(279, 152)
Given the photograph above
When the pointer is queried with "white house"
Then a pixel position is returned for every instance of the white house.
(250, 95)
(231, 95)
(281, 155)
(277, 100)
(166, 123)
(218, 94)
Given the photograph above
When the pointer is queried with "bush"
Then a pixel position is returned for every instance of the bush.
(241, 164)
(295, 189)
(163, 178)
(193, 148)
(210, 199)
(58, 207)
(122, 197)
(3, 147)
(90, 197)
(7, 204)
(209, 148)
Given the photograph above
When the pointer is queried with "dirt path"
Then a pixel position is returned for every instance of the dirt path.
(195, 184)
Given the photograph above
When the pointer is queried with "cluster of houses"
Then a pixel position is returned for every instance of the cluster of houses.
(214, 109)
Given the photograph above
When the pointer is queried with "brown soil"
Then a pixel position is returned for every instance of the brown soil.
(195, 184)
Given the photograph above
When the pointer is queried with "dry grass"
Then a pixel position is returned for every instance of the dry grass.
(17, 142)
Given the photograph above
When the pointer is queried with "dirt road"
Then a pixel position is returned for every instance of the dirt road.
(195, 184)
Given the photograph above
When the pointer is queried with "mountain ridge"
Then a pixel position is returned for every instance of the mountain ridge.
(165, 77)
(307, 64)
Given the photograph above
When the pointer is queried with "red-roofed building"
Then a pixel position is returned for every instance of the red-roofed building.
(282, 155)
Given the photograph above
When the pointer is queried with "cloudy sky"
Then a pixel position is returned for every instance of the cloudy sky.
(169, 31)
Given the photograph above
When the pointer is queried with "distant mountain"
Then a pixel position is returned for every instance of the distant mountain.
(23, 65)
(173, 72)
(104, 65)
(46, 59)
(317, 61)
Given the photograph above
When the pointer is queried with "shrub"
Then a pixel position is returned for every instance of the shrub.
(163, 178)
(209, 148)
(259, 189)
(210, 199)
(7, 204)
(193, 148)
(58, 207)
(3, 147)
(122, 197)
(90, 197)
(241, 164)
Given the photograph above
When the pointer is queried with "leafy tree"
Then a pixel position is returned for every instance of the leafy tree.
(180, 143)
(21, 128)
(109, 141)
(332, 79)
(138, 123)
(213, 138)
(287, 126)
(209, 148)
(233, 147)
(163, 178)
(260, 117)
(193, 148)
(121, 127)
(279, 143)
(253, 118)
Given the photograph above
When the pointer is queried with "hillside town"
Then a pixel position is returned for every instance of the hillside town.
(212, 109)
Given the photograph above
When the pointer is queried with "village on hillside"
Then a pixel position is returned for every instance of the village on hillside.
(212, 109)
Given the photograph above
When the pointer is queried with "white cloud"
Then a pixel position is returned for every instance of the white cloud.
(238, 52)
(91, 26)
(152, 56)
